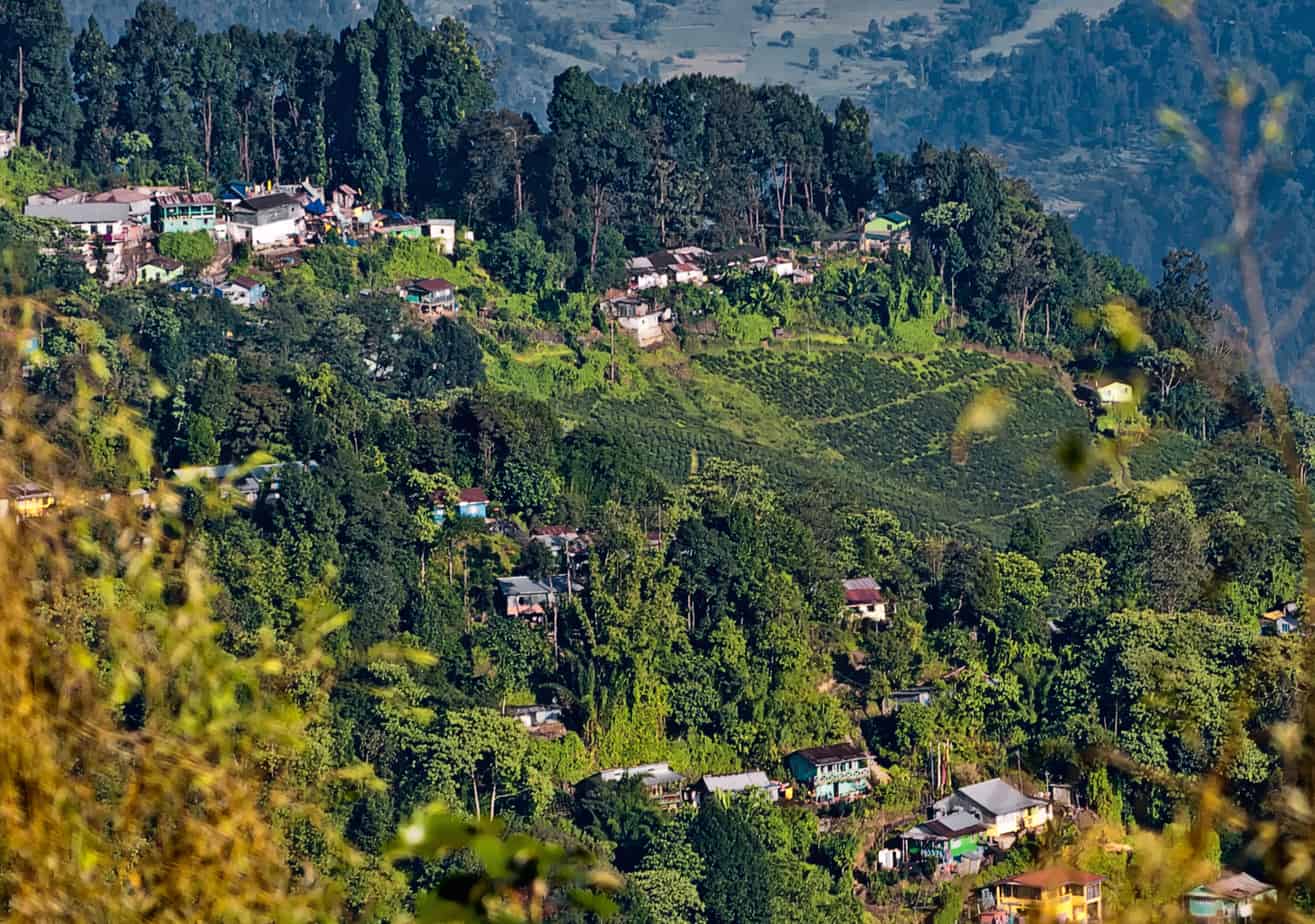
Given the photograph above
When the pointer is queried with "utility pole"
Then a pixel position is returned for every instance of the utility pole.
(22, 93)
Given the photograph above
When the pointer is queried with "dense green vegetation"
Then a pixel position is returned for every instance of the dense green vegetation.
(873, 428)
(1048, 557)
(1090, 88)
(1089, 95)
(723, 647)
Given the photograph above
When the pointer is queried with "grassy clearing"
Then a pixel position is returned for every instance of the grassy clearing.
(849, 427)
(856, 428)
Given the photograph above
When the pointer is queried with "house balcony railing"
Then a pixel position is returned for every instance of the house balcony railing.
(839, 776)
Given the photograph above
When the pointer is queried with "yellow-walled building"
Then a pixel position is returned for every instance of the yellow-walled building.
(1055, 894)
(28, 499)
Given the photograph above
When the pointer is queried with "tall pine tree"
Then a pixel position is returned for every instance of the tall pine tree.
(364, 156)
(155, 55)
(314, 59)
(397, 36)
(96, 82)
(849, 160)
(448, 87)
(214, 89)
(37, 31)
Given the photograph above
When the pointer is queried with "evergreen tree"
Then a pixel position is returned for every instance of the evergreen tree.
(38, 30)
(395, 180)
(365, 158)
(214, 89)
(736, 886)
(95, 80)
(397, 32)
(314, 59)
(154, 56)
(850, 162)
(448, 87)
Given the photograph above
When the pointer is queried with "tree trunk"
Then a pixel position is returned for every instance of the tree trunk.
(664, 170)
(474, 786)
(782, 196)
(244, 143)
(520, 192)
(207, 128)
(273, 139)
(18, 128)
(1023, 311)
(596, 207)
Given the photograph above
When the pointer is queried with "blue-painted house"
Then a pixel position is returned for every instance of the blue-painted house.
(1284, 621)
(832, 773)
(473, 503)
(236, 191)
(184, 211)
(194, 289)
(1233, 897)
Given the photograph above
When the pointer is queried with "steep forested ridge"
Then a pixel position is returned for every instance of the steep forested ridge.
(1080, 109)
(922, 418)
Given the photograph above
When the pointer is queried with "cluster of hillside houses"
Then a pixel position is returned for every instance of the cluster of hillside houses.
(275, 222)
(962, 827)
(117, 229)
(965, 828)
(639, 310)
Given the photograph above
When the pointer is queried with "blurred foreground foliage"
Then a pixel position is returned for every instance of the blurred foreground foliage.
(148, 773)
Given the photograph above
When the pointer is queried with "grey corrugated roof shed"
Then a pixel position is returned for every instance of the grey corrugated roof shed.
(1238, 886)
(998, 797)
(82, 212)
(951, 825)
(833, 753)
(649, 774)
(521, 586)
(269, 201)
(736, 782)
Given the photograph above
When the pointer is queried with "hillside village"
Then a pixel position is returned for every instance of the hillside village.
(730, 522)
(259, 231)
(123, 235)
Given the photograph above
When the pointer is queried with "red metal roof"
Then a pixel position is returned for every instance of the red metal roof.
(473, 496)
(196, 198)
(432, 285)
(862, 590)
(552, 531)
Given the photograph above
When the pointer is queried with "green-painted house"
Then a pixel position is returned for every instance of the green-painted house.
(944, 840)
(888, 223)
(159, 269)
(882, 232)
(1233, 897)
(184, 211)
(832, 773)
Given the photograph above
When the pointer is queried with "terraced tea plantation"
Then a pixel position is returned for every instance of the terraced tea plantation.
(853, 427)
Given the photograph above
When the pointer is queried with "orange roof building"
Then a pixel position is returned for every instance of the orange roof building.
(1057, 893)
